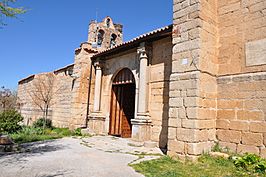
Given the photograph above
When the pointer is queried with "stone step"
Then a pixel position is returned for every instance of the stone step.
(136, 144)
(150, 144)
(86, 131)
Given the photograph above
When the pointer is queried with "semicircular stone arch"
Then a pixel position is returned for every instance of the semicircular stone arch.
(124, 76)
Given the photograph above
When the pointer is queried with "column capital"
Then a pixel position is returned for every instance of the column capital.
(98, 64)
(142, 51)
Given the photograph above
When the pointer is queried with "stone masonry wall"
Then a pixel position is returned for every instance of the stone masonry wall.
(192, 113)
(241, 123)
(81, 73)
(62, 104)
(160, 70)
(59, 109)
(241, 22)
(218, 76)
(28, 109)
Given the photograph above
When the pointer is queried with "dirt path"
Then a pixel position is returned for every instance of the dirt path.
(100, 156)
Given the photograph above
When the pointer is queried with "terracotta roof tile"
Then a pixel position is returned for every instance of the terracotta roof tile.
(143, 36)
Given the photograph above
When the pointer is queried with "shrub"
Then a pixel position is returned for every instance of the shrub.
(40, 122)
(251, 163)
(61, 131)
(77, 132)
(30, 131)
(10, 121)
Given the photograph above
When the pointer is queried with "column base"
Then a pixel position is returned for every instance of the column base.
(96, 123)
(141, 128)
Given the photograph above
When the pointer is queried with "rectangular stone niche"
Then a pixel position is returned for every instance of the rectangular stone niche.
(256, 53)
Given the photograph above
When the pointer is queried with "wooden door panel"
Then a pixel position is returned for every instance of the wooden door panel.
(122, 106)
(113, 111)
(128, 109)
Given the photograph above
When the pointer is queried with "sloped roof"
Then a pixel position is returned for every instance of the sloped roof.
(64, 68)
(150, 36)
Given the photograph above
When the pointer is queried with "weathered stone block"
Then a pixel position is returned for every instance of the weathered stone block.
(191, 101)
(263, 152)
(173, 112)
(176, 146)
(224, 80)
(246, 148)
(174, 122)
(199, 148)
(229, 104)
(192, 92)
(192, 113)
(174, 93)
(230, 136)
(198, 124)
(222, 124)
(176, 102)
(259, 77)
(255, 139)
(258, 127)
(250, 115)
(226, 114)
(245, 78)
(205, 113)
(182, 113)
(239, 125)
(171, 133)
(191, 135)
(229, 8)
(230, 146)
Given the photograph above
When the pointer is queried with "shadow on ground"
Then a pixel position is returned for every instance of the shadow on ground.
(55, 174)
(29, 150)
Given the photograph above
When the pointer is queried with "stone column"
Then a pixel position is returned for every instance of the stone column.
(143, 63)
(141, 124)
(96, 123)
(97, 90)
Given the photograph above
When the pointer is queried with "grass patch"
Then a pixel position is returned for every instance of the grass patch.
(205, 167)
(32, 134)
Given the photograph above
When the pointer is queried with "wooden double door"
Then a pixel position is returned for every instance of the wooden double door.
(122, 108)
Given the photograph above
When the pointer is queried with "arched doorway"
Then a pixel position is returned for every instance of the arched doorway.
(122, 104)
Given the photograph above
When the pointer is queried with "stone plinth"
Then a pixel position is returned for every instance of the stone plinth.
(141, 127)
(96, 123)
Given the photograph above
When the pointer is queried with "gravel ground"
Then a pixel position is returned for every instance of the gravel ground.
(99, 156)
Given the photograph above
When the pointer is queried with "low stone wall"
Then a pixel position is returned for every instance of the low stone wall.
(29, 110)
(59, 108)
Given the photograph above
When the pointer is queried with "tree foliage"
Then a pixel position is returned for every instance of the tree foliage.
(43, 93)
(7, 10)
(8, 99)
(10, 121)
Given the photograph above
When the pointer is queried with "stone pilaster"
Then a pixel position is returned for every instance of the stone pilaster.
(97, 90)
(96, 119)
(141, 124)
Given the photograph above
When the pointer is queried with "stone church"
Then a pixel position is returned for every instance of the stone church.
(185, 86)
